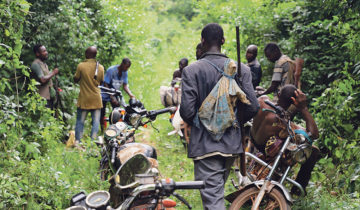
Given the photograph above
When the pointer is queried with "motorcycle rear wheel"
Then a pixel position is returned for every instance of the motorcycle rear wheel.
(273, 200)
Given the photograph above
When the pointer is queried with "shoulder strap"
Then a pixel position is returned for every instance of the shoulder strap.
(96, 70)
(218, 69)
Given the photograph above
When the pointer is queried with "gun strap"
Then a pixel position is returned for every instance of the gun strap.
(96, 70)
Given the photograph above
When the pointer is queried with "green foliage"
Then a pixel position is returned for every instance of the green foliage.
(184, 9)
(326, 36)
(48, 182)
(67, 28)
(338, 117)
(322, 199)
(32, 175)
(37, 172)
(12, 16)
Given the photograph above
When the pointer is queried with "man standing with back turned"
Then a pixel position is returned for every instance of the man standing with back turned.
(182, 64)
(89, 74)
(213, 158)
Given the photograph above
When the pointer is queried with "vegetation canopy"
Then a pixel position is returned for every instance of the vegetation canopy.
(37, 171)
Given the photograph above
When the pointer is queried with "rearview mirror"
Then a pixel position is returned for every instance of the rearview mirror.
(125, 176)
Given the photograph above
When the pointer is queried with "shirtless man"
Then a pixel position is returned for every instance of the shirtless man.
(266, 126)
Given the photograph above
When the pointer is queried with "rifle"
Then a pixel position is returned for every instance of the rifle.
(238, 51)
(299, 62)
(242, 155)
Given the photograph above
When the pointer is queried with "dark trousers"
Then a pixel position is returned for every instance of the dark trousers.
(49, 104)
(304, 174)
(102, 115)
(214, 171)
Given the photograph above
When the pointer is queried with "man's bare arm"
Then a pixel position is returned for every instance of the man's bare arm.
(272, 88)
(127, 90)
(46, 78)
(301, 105)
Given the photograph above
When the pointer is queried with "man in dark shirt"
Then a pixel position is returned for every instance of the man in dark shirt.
(42, 74)
(182, 64)
(253, 63)
(212, 159)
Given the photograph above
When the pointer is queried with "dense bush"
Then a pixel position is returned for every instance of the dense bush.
(327, 37)
(32, 175)
(67, 28)
(36, 171)
(337, 115)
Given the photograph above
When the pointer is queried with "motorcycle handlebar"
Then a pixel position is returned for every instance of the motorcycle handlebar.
(110, 90)
(188, 185)
(154, 113)
(276, 108)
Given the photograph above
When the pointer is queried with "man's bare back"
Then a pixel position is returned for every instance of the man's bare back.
(265, 124)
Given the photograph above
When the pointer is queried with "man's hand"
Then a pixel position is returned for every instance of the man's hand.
(300, 103)
(114, 102)
(299, 100)
(127, 90)
(48, 77)
(55, 71)
(187, 131)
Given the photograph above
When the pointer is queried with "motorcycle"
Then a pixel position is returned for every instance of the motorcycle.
(267, 189)
(135, 185)
(120, 134)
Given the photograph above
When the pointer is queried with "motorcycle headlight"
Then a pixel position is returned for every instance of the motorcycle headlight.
(134, 118)
(302, 153)
(299, 138)
(302, 136)
(300, 150)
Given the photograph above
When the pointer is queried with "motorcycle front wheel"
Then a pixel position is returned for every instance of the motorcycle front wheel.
(105, 171)
(273, 200)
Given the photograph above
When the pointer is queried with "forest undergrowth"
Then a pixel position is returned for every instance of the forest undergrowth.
(37, 170)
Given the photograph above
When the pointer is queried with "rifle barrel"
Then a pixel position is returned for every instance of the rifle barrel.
(238, 50)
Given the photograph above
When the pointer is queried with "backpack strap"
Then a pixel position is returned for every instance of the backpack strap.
(218, 69)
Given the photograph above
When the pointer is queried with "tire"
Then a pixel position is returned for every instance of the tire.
(105, 171)
(273, 200)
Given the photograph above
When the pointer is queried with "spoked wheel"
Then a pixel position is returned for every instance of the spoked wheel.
(273, 200)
